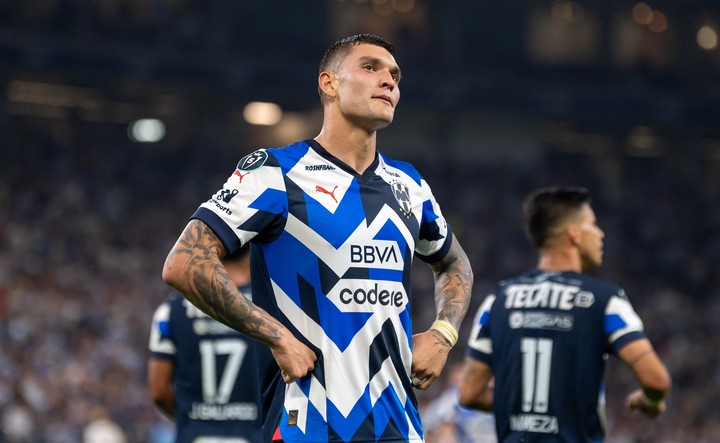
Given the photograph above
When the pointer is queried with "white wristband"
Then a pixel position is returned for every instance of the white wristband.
(447, 330)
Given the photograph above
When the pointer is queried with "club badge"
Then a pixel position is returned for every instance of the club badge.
(402, 195)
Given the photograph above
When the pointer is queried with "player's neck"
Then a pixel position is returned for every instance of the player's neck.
(560, 259)
(352, 145)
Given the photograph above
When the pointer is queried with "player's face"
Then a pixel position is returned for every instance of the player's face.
(367, 86)
(591, 238)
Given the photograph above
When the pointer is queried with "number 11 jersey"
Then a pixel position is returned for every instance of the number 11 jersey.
(547, 336)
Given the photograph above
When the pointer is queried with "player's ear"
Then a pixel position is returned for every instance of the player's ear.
(573, 234)
(327, 83)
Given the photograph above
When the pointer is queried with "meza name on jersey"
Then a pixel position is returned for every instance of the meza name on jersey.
(545, 424)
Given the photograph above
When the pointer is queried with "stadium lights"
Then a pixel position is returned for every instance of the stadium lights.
(642, 14)
(659, 22)
(566, 11)
(707, 38)
(655, 20)
(262, 113)
(147, 130)
(387, 7)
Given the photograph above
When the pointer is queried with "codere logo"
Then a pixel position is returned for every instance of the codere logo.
(368, 295)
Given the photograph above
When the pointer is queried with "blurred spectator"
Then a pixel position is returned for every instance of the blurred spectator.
(17, 424)
(102, 429)
(445, 421)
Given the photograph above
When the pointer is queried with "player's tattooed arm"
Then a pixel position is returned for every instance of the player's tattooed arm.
(193, 267)
(453, 285)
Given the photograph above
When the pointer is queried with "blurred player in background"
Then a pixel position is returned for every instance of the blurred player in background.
(445, 421)
(545, 335)
(334, 226)
(202, 374)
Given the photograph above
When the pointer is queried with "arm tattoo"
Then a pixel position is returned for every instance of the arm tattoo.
(453, 285)
(442, 341)
(207, 285)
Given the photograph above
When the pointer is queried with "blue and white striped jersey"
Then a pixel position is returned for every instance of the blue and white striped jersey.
(331, 255)
(215, 374)
(547, 336)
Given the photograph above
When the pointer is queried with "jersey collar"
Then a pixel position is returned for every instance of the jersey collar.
(365, 176)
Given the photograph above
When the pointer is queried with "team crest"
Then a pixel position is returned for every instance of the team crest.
(402, 195)
(252, 161)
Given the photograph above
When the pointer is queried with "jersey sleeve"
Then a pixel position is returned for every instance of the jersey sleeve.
(251, 203)
(435, 233)
(162, 346)
(480, 341)
(622, 324)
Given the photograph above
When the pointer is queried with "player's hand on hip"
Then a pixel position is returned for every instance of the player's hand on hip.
(637, 400)
(294, 358)
(430, 352)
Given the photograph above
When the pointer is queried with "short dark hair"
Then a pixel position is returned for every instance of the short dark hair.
(339, 49)
(546, 208)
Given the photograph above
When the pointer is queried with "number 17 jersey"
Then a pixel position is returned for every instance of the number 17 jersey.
(215, 373)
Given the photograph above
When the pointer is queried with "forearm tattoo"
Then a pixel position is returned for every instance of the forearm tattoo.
(207, 285)
(440, 341)
(453, 285)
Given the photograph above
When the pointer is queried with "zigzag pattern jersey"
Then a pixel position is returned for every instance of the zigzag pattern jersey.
(331, 255)
(212, 364)
(547, 336)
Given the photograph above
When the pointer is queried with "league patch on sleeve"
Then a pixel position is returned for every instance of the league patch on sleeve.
(252, 161)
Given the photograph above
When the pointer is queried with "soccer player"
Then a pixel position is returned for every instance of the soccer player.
(545, 335)
(333, 225)
(202, 374)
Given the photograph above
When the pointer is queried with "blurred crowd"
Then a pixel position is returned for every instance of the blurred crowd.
(116, 20)
(167, 25)
(87, 217)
